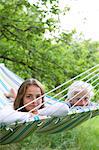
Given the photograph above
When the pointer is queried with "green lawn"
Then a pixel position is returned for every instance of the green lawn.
(88, 135)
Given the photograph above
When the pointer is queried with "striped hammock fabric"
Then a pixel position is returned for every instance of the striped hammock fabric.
(14, 131)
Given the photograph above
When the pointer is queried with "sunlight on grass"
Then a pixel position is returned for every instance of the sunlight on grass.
(88, 135)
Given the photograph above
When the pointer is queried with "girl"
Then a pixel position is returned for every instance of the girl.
(29, 90)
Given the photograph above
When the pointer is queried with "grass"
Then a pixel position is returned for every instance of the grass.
(88, 135)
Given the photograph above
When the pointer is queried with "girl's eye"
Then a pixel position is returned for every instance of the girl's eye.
(29, 96)
(38, 96)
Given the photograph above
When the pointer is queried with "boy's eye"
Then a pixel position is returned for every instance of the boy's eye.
(86, 98)
(78, 99)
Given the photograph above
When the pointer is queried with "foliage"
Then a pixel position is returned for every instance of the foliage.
(25, 50)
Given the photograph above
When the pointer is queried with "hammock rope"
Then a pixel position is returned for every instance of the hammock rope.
(58, 87)
(56, 95)
(65, 82)
(17, 131)
(68, 87)
(83, 96)
(81, 91)
(53, 96)
(67, 101)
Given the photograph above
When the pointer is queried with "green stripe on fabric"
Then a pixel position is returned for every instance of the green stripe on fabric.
(95, 113)
(67, 124)
(66, 121)
(74, 124)
(47, 122)
(52, 125)
(6, 135)
(30, 130)
(17, 133)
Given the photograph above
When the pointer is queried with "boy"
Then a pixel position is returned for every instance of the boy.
(79, 94)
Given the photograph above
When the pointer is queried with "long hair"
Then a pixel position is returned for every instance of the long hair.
(21, 92)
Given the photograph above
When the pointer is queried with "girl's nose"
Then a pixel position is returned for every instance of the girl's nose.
(35, 103)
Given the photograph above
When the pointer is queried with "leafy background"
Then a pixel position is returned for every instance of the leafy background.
(25, 50)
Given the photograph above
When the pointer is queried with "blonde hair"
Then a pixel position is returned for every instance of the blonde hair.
(79, 86)
(21, 92)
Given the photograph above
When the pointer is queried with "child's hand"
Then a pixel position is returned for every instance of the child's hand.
(11, 94)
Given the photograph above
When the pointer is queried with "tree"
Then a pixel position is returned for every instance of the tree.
(25, 50)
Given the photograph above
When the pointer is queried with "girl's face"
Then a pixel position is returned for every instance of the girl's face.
(83, 102)
(32, 92)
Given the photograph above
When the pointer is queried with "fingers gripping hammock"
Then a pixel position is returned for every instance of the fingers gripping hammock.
(14, 129)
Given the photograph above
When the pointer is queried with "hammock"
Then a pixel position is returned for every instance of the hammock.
(16, 130)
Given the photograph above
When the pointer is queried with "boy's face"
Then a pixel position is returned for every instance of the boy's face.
(78, 95)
